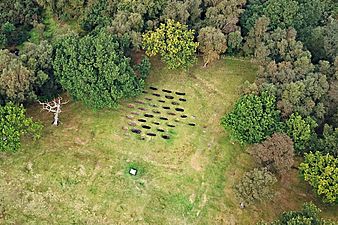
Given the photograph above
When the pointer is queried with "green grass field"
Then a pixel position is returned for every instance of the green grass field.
(77, 173)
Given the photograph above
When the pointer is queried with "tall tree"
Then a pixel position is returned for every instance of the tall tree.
(255, 185)
(224, 14)
(301, 131)
(275, 153)
(174, 42)
(212, 43)
(38, 58)
(17, 82)
(253, 118)
(16, 19)
(186, 12)
(321, 171)
(93, 69)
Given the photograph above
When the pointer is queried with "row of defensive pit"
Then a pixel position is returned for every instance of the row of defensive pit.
(144, 115)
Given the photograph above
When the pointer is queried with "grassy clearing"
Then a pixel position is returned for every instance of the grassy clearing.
(78, 172)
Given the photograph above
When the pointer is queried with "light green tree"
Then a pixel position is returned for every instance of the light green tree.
(13, 125)
(321, 171)
(174, 42)
(300, 130)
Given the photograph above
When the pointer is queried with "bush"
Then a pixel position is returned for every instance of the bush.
(255, 185)
(13, 125)
(308, 215)
(321, 171)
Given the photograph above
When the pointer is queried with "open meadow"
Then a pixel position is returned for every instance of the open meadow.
(77, 173)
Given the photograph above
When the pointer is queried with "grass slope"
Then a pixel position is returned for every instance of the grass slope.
(78, 172)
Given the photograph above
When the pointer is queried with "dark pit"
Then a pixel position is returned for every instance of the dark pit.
(171, 113)
(163, 118)
(183, 99)
(179, 110)
(160, 130)
(139, 102)
(175, 103)
(170, 125)
(146, 127)
(157, 95)
(156, 111)
(169, 97)
(157, 123)
(151, 134)
(153, 88)
(166, 91)
(153, 105)
(179, 93)
(142, 120)
(184, 116)
(166, 107)
(148, 99)
(136, 131)
(148, 115)
(143, 109)
(144, 92)
(162, 101)
(165, 137)
(191, 124)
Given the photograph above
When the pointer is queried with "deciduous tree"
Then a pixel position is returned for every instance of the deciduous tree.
(13, 125)
(255, 186)
(212, 43)
(224, 14)
(17, 82)
(253, 118)
(275, 153)
(174, 42)
(93, 69)
(321, 171)
(301, 130)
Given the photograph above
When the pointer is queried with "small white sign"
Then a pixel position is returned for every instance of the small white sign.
(133, 171)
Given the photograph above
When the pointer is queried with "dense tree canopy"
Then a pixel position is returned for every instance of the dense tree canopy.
(17, 82)
(255, 185)
(174, 42)
(93, 69)
(321, 171)
(212, 43)
(301, 131)
(13, 125)
(275, 153)
(253, 118)
(16, 19)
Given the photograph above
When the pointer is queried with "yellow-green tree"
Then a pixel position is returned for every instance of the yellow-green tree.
(174, 42)
(321, 171)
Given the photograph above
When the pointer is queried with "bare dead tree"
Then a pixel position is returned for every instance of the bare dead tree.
(54, 106)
